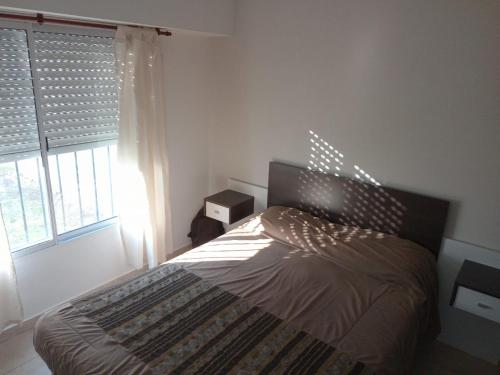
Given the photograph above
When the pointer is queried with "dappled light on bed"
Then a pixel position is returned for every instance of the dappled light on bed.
(310, 233)
(238, 245)
(222, 250)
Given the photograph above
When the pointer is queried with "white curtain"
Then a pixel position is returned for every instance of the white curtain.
(143, 185)
(10, 304)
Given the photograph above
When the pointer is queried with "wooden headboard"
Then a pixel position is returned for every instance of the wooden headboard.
(342, 200)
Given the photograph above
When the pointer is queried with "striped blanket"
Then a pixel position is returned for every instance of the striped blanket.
(176, 322)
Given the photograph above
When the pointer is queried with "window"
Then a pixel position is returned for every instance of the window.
(82, 187)
(58, 131)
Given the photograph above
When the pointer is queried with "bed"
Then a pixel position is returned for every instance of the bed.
(324, 281)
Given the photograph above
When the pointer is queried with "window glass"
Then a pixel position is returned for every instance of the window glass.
(82, 187)
(23, 199)
(23, 193)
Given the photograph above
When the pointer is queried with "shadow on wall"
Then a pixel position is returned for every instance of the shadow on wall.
(366, 204)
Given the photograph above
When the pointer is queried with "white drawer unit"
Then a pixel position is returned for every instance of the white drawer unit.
(477, 290)
(478, 303)
(217, 212)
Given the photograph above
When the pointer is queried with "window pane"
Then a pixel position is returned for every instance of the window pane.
(113, 166)
(23, 194)
(103, 182)
(57, 196)
(87, 187)
(34, 204)
(82, 186)
(23, 199)
(69, 187)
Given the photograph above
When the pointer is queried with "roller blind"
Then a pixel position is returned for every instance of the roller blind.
(77, 88)
(18, 123)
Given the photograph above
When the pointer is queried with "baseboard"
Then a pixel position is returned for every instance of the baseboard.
(29, 323)
(14, 330)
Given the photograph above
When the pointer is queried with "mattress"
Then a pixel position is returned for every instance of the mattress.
(284, 293)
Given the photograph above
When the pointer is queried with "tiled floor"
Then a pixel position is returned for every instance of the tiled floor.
(18, 357)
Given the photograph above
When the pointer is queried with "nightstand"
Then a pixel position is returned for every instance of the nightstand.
(477, 290)
(228, 206)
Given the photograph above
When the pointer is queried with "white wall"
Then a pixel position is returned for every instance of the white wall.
(407, 90)
(54, 275)
(189, 117)
(214, 16)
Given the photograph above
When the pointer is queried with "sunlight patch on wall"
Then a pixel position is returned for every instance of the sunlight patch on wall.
(366, 203)
(323, 157)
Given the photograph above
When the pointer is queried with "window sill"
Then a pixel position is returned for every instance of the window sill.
(65, 237)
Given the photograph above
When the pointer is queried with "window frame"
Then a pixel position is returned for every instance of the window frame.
(65, 237)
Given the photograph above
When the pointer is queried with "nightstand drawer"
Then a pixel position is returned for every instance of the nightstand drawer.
(478, 303)
(228, 206)
(217, 212)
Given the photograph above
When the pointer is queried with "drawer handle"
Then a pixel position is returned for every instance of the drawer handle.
(484, 306)
(216, 212)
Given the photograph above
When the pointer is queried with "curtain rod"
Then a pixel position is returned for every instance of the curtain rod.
(40, 18)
